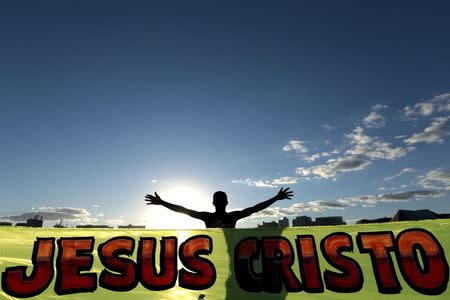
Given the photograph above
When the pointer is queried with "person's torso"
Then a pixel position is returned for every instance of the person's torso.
(225, 220)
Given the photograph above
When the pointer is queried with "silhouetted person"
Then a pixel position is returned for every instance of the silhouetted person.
(220, 218)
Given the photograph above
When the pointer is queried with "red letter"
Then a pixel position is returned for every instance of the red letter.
(309, 264)
(109, 254)
(351, 279)
(204, 273)
(245, 253)
(432, 278)
(74, 256)
(277, 263)
(167, 276)
(378, 245)
(15, 281)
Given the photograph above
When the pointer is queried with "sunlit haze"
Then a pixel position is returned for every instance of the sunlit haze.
(186, 195)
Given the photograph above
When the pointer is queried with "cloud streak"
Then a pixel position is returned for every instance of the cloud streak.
(54, 214)
(438, 178)
(267, 183)
(372, 147)
(334, 166)
(375, 119)
(342, 203)
(439, 103)
(296, 146)
(297, 208)
(402, 172)
(435, 133)
(372, 200)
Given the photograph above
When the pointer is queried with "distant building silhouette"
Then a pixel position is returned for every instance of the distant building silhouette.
(283, 222)
(5, 224)
(37, 221)
(408, 215)
(416, 215)
(302, 221)
(129, 226)
(93, 226)
(320, 221)
(59, 225)
(272, 224)
(335, 220)
(370, 221)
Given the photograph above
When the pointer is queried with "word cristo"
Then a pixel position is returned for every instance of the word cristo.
(274, 254)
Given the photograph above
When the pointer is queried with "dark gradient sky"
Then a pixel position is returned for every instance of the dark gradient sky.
(100, 99)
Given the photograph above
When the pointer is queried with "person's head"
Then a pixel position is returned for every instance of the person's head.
(220, 201)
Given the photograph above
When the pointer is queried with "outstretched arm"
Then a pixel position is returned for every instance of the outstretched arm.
(282, 194)
(156, 200)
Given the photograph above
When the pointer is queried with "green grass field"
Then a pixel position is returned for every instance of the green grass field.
(16, 246)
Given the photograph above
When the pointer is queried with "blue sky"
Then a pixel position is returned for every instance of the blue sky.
(103, 103)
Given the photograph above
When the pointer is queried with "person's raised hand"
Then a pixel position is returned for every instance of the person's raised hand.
(156, 200)
(284, 194)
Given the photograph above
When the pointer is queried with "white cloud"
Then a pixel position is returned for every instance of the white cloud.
(435, 133)
(378, 107)
(285, 180)
(363, 149)
(327, 127)
(312, 158)
(262, 183)
(255, 183)
(378, 150)
(374, 120)
(334, 166)
(404, 171)
(425, 109)
(438, 178)
(266, 183)
(316, 156)
(297, 208)
(295, 145)
(438, 103)
(371, 147)
(358, 137)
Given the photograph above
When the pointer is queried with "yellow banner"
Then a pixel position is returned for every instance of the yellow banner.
(374, 261)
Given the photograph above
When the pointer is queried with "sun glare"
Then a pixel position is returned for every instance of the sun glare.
(186, 195)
